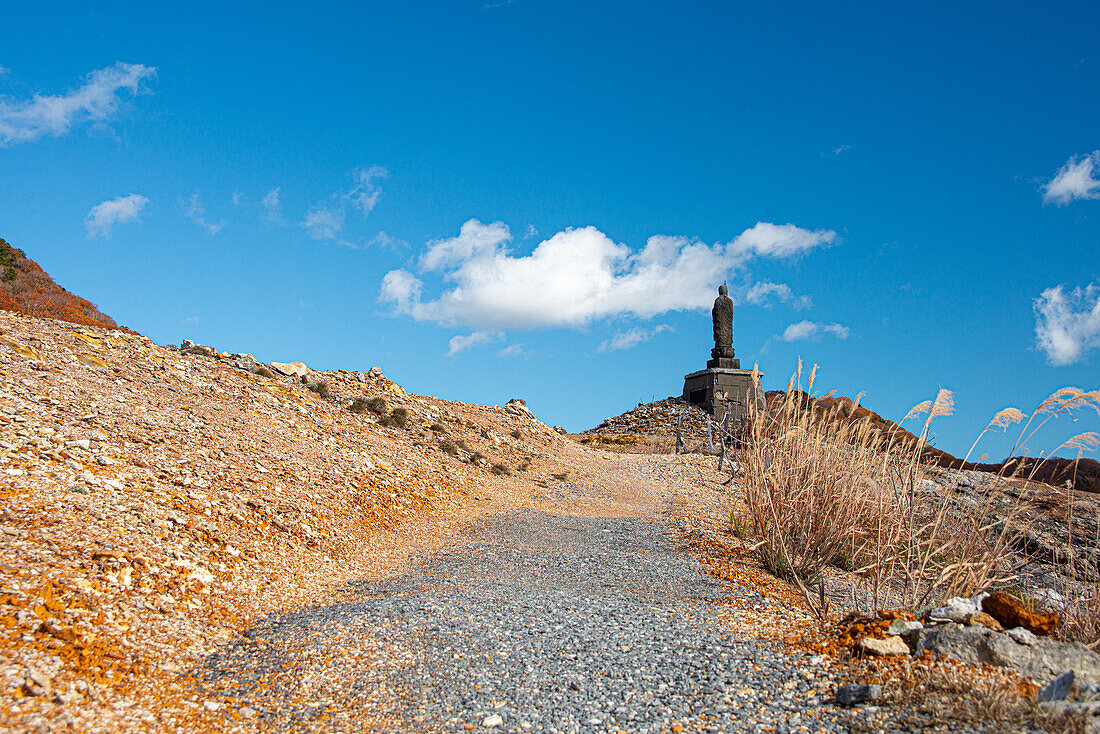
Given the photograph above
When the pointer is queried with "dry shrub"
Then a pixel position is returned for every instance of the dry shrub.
(927, 690)
(822, 491)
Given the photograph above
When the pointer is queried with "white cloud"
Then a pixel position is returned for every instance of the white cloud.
(4, 70)
(459, 344)
(632, 337)
(103, 216)
(1075, 180)
(760, 293)
(1067, 326)
(190, 320)
(474, 239)
(812, 330)
(324, 222)
(837, 151)
(385, 241)
(364, 194)
(272, 206)
(514, 351)
(196, 212)
(325, 219)
(95, 101)
(237, 198)
(578, 275)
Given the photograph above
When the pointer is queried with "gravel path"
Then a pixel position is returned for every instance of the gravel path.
(551, 622)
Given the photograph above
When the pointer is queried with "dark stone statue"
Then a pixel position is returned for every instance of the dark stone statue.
(722, 316)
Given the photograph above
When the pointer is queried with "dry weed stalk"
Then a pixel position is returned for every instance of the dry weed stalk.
(823, 490)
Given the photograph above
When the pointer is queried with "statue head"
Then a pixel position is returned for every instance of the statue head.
(723, 290)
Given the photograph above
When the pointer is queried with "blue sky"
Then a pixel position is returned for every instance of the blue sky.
(538, 198)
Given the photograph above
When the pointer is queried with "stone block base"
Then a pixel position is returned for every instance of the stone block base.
(722, 390)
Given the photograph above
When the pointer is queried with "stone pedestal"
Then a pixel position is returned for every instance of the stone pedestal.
(723, 388)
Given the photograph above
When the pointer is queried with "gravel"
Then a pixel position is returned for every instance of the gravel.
(550, 622)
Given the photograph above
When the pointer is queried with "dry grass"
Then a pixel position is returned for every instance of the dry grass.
(822, 491)
(828, 492)
(944, 692)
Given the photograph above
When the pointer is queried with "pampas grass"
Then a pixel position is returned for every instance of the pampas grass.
(825, 489)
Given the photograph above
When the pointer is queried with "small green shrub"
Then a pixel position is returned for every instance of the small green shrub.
(376, 405)
(437, 427)
(9, 274)
(476, 458)
(560, 477)
(321, 388)
(359, 405)
(516, 433)
(399, 418)
(463, 445)
(449, 448)
(500, 470)
(262, 371)
(525, 464)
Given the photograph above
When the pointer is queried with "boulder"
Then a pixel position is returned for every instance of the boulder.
(559, 429)
(375, 373)
(957, 609)
(290, 369)
(518, 406)
(1010, 612)
(189, 347)
(1042, 660)
(986, 621)
(1058, 689)
(244, 362)
(890, 646)
(903, 627)
(852, 694)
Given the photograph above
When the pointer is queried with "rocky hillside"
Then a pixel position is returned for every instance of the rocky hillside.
(651, 428)
(155, 500)
(27, 289)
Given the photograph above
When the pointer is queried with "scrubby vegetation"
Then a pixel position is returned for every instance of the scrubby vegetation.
(28, 290)
(321, 388)
(823, 490)
(398, 418)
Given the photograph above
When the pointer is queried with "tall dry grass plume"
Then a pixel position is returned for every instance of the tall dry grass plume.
(826, 490)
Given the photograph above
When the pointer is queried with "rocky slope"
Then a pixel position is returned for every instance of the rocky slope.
(156, 501)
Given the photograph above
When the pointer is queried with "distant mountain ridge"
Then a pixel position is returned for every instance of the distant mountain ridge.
(28, 290)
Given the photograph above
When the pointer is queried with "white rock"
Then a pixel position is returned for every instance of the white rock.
(291, 369)
(901, 626)
(1050, 599)
(492, 720)
(889, 647)
(957, 609)
(105, 460)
